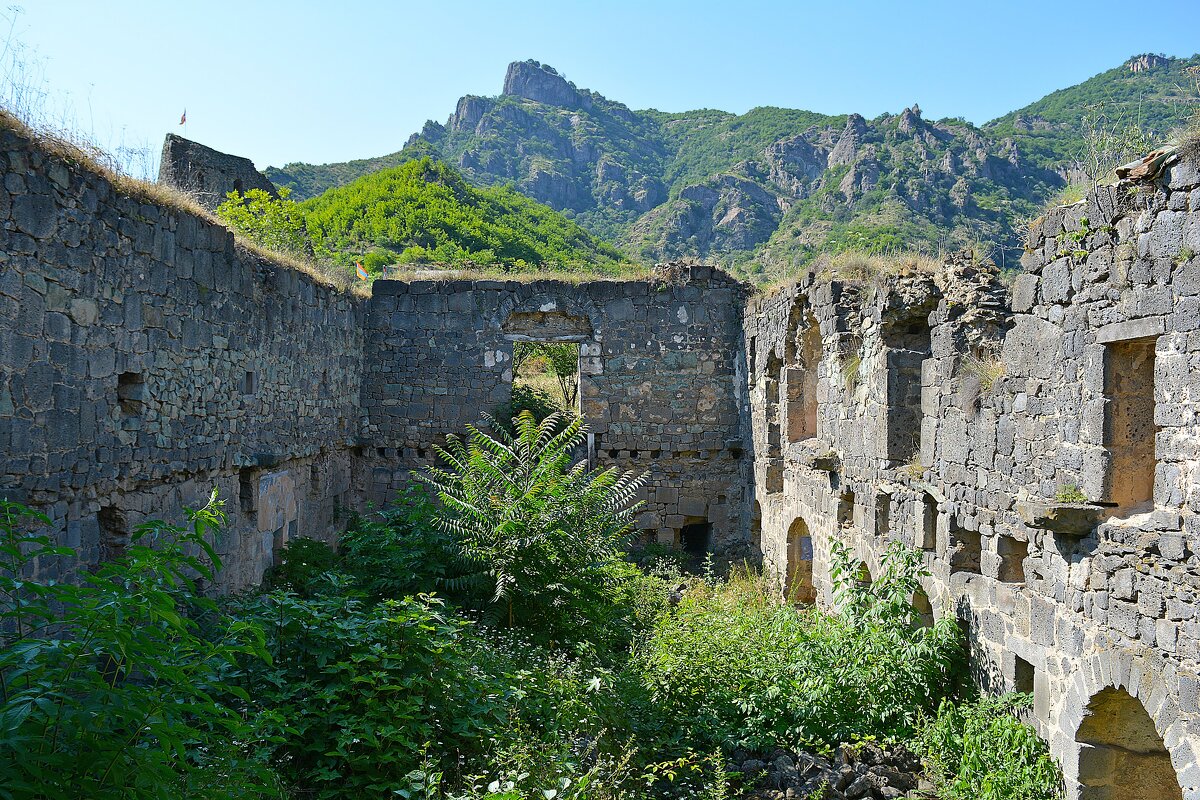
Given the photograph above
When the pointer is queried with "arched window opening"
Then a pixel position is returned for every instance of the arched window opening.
(798, 585)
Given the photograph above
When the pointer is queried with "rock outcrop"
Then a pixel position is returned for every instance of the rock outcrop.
(541, 84)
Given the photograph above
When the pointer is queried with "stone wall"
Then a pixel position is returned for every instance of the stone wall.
(660, 381)
(1037, 443)
(1084, 390)
(145, 359)
(207, 174)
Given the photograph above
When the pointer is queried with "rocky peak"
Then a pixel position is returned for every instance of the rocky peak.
(846, 149)
(910, 120)
(540, 83)
(1146, 62)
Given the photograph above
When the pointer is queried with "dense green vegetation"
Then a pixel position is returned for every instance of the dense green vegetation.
(483, 637)
(705, 143)
(421, 212)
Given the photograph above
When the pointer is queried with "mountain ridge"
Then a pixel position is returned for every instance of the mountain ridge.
(769, 189)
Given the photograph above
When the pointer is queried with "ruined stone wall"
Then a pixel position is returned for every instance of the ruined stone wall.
(206, 174)
(144, 360)
(660, 371)
(1085, 391)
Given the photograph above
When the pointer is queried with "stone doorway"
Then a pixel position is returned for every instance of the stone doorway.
(695, 537)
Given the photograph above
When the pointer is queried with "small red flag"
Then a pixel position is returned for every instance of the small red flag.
(183, 118)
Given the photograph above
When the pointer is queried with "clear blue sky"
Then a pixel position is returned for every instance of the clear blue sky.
(323, 81)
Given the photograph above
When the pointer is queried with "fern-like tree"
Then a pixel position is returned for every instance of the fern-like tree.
(544, 535)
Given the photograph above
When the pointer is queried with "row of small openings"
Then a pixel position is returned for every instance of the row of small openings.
(652, 454)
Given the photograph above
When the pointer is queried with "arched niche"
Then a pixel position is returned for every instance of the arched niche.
(798, 583)
(1121, 754)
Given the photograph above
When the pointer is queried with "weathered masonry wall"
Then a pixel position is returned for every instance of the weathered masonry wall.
(659, 381)
(965, 420)
(1039, 443)
(144, 359)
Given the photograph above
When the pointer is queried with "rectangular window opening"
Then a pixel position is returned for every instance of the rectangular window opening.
(966, 547)
(801, 378)
(846, 508)
(248, 383)
(546, 378)
(1012, 552)
(909, 344)
(247, 491)
(929, 523)
(1023, 673)
(131, 392)
(1129, 429)
(114, 532)
(883, 513)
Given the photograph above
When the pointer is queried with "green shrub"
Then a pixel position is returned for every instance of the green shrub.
(1070, 493)
(362, 693)
(398, 551)
(735, 666)
(302, 564)
(981, 751)
(547, 535)
(276, 223)
(524, 398)
(108, 687)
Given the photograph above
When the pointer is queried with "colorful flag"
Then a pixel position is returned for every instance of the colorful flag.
(359, 271)
(183, 118)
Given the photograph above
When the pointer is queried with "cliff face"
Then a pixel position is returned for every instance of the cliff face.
(541, 84)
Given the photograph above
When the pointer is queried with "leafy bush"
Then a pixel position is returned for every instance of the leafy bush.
(361, 693)
(399, 551)
(547, 535)
(302, 564)
(734, 665)
(524, 398)
(107, 684)
(981, 751)
(276, 223)
(423, 211)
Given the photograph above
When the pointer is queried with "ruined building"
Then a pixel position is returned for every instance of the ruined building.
(1039, 444)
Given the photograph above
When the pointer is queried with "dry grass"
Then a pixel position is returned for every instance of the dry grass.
(859, 267)
(499, 273)
(868, 268)
(987, 367)
(1188, 140)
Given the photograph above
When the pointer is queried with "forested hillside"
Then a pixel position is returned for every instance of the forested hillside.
(423, 211)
